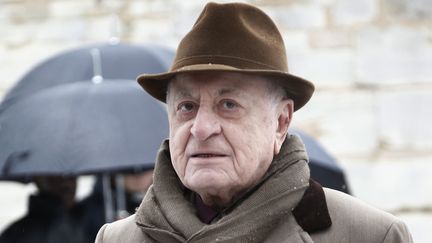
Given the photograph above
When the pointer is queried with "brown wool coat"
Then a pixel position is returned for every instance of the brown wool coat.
(305, 212)
(352, 221)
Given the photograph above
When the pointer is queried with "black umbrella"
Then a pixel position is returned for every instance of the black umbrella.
(93, 62)
(117, 62)
(324, 168)
(81, 128)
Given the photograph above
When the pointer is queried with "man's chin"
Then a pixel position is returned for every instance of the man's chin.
(207, 182)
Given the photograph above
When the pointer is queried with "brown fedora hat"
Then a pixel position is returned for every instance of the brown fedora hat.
(232, 37)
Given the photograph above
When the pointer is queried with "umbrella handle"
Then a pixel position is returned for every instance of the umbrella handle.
(107, 195)
(121, 211)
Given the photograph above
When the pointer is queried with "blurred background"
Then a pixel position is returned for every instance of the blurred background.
(370, 60)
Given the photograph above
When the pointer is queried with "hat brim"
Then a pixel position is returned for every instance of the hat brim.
(297, 89)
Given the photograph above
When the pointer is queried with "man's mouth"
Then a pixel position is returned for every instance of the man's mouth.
(206, 155)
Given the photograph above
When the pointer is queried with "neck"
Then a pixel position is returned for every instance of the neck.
(216, 200)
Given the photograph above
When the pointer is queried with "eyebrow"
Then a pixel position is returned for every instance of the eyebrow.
(226, 91)
(181, 93)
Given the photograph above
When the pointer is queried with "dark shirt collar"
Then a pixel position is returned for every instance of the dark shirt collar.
(205, 213)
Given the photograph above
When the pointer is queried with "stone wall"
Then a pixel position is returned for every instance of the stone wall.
(371, 61)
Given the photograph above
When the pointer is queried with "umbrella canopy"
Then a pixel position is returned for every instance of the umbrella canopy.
(324, 168)
(93, 62)
(81, 128)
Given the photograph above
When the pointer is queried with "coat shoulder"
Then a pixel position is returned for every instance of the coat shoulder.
(124, 230)
(356, 221)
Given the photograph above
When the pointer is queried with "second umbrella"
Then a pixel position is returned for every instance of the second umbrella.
(81, 128)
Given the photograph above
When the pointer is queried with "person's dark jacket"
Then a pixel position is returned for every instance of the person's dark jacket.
(94, 204)
(47, 221)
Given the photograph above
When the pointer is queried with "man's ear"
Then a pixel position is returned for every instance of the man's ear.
(285, 112)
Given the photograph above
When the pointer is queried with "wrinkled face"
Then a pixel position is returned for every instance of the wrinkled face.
(224, 131)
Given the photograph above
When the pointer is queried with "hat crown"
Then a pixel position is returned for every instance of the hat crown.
(233, 34)
(232, 37)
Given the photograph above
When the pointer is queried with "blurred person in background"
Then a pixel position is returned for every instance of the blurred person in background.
(53, 214)
(135, 186)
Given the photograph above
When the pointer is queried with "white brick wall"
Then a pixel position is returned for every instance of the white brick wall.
(371, 61)
(353, 12)
(394, 55)
(299, 15)
(404, 119)
(324, 67)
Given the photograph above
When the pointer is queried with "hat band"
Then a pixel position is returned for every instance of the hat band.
(236, 62)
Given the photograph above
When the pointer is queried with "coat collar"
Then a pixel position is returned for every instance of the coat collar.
(312, 213)
(253, 215)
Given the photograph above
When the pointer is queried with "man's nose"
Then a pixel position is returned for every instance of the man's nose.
(205, 124)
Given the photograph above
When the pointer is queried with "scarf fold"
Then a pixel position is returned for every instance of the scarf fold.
(262, 214)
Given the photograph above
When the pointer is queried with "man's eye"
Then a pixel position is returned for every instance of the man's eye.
(229, 105)
(185, 107)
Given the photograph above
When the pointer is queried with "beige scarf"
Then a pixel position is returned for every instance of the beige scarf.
(263, 214)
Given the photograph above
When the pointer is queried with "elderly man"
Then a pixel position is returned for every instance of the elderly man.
(230, 172)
